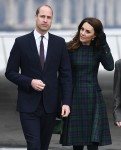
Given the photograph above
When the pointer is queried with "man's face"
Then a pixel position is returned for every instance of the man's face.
(44, 19)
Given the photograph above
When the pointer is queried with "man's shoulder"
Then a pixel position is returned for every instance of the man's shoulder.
(22, 37)
(118, 62)
(57, 37)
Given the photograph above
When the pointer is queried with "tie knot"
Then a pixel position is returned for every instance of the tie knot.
(42, 36)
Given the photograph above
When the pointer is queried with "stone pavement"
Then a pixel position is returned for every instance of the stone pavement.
(11, 135)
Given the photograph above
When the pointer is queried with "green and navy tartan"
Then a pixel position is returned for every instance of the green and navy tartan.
(88, 120)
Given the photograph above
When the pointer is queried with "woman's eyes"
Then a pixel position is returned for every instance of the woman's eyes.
(86, 31)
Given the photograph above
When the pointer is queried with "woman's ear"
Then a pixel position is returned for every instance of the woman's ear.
(94, 36)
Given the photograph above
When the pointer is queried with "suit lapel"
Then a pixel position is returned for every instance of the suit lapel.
(34, 50)
(35, 54)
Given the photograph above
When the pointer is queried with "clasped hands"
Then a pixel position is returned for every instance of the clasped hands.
(37, 85)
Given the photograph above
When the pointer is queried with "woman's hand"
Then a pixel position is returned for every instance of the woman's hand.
(102, 38)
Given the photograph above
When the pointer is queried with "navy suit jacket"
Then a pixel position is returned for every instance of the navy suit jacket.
(24, 65)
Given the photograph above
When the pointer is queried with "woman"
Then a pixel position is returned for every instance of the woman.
(87, 123)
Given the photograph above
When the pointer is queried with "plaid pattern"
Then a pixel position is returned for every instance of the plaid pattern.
(88, 120)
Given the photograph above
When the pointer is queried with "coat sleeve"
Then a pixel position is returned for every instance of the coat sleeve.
(106, 58)
(13, 72)
(65, 77)
(117, 94)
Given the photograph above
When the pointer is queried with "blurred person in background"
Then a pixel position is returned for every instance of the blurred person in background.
(36, 74)
(117, 93)
(87, 124)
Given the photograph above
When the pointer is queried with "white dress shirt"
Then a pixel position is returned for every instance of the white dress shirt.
(45, 42)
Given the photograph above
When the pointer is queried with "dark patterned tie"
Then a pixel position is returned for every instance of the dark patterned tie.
(42, 52)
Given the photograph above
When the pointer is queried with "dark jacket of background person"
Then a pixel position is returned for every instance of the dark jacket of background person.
(117, 92)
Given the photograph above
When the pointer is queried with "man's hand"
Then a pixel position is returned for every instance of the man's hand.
(118, 124)
(38, 85)
(65, 111)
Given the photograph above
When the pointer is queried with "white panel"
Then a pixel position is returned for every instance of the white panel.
(8, 43)
(2, 56)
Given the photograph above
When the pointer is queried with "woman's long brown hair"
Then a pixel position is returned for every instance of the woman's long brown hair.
(98, 28)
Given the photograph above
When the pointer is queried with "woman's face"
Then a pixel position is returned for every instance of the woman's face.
(87, 34)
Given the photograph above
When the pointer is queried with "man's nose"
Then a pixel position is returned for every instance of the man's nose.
(45, 19)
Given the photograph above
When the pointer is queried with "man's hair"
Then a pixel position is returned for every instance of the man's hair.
(37, 11)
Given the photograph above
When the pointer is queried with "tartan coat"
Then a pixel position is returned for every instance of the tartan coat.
(88, 121)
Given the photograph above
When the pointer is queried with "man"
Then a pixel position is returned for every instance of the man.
(117, 93)
(37, 82)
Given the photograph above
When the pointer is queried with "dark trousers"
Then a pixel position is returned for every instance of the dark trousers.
(89, 147)
(37, 128)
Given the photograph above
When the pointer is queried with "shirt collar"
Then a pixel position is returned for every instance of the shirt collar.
(37, 35)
